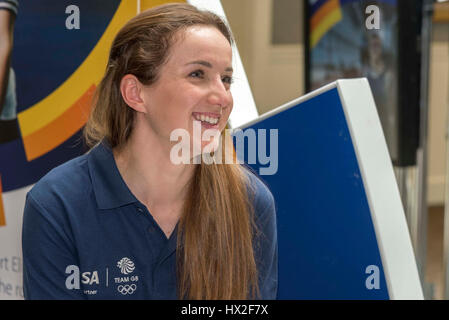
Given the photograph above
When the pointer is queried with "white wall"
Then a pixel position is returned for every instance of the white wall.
(439, 101)
(275, 73)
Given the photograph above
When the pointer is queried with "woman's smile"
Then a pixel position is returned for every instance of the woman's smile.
(208, 120)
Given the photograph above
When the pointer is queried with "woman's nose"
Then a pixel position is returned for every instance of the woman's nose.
(219, 94)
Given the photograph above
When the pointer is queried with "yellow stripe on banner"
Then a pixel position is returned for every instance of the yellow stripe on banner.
(88, 73)
(147, 4)
(2, 209)
(327, 23)
(55, 133)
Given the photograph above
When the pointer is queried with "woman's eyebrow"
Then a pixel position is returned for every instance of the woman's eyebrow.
(207, 64)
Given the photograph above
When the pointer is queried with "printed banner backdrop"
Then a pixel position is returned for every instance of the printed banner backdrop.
(341, 47)
(57, 70)
(341, 227)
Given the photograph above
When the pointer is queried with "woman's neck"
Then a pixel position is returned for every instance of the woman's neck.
(144, 163)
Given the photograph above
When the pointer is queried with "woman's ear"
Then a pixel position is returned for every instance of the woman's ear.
(131, 90)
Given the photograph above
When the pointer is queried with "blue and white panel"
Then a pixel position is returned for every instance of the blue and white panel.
(341, 226)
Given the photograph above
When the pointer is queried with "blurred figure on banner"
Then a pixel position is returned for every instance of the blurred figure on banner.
(8, 99)
(377, 67)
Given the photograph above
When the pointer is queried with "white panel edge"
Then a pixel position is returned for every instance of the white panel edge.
(381, 189)
(290, 104)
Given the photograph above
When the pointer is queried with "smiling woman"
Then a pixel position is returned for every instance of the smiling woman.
(185, 87)
(195, 231)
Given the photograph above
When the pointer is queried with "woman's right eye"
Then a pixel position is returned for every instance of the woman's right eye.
(197, 74)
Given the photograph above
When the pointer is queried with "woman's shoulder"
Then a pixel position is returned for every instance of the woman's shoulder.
(68, 181)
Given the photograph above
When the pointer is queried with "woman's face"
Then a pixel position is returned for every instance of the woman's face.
(193, 84)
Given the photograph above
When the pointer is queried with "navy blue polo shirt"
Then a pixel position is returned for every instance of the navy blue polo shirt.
(86, 236)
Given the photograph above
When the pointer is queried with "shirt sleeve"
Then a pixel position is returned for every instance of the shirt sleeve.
(11, 5)
(268, 253)
(47, 253)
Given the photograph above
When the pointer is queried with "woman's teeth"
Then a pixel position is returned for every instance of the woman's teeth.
(207, 119)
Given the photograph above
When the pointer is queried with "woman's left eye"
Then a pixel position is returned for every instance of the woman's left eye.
(228, 79)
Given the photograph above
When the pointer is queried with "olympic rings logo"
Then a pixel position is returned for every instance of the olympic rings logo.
(127, 289)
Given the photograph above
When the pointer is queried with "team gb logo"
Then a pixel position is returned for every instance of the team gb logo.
(126, 266)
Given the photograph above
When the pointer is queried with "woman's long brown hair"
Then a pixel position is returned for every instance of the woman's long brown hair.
(215, 252)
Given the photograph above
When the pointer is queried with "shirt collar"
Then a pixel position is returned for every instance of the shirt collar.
(109, 187)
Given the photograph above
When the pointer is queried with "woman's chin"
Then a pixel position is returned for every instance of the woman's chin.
(206, 148)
